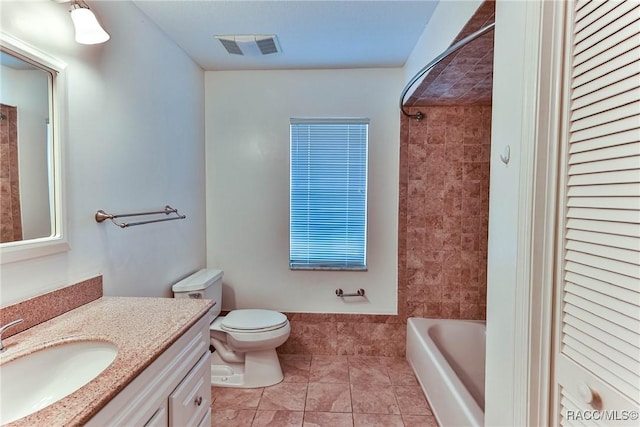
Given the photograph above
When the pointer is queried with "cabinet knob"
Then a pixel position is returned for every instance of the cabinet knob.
(198, 401)
(589, 396)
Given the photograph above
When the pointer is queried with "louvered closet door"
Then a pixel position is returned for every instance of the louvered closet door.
(597, 360)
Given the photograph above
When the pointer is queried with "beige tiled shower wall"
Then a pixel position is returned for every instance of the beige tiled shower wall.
(444, 206)
(442, 237)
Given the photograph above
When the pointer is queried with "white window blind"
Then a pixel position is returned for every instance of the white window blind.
(328, 194)
(600, 314)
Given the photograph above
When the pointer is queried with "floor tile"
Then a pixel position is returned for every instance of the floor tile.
(284, 396)
(327, 419)
(411, 400)
(232, 417)
(373, 399)
(329, 391)
(419, 421)
(391, 362)
(366, 361)
(235, 398)
(277, 419)
(399, 371)
(327, 397)
(295, 367)
(377, 420)
(368, 375)
(329, 369)
(401, 377)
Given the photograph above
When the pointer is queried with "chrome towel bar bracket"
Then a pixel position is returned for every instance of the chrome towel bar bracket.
(341, 294)
(168, 210)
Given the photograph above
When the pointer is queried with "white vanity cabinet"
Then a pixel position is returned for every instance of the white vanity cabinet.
(174, 391)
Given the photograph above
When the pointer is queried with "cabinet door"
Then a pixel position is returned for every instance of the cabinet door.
(160, 418)
(206, 420)
(190, 401)
(140, 400)
(597, 360)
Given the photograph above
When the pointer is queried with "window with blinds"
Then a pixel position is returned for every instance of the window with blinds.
(599, 355)
(328, 194)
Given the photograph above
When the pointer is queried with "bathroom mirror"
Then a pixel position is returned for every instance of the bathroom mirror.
(31, 205)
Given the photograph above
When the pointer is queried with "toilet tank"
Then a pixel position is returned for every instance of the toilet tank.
(203, 284)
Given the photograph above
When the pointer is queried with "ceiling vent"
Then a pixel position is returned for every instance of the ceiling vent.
(250, 45)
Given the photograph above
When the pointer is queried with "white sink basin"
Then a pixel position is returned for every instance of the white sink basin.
(37, 380)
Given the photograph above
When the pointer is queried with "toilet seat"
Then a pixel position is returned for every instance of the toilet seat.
(252, 321)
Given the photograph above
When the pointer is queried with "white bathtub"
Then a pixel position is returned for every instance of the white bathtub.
(447, 357)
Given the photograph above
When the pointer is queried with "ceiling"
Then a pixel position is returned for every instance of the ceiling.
(313, 34)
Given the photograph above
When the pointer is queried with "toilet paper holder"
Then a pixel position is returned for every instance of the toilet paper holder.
(358, 293)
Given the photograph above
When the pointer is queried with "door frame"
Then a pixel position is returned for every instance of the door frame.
(545, 246)
(529, 340)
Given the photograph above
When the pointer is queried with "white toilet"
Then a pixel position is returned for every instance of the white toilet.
(245, 341)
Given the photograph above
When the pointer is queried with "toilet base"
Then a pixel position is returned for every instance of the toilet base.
(260, 369)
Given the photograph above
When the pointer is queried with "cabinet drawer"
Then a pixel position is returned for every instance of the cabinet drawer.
(192, 398)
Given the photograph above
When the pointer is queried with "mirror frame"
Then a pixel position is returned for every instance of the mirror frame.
(57, 241)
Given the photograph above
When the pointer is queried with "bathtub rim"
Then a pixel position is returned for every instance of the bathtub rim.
(467, 411)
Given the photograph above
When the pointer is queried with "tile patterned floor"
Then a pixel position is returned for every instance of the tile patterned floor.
(329, 391)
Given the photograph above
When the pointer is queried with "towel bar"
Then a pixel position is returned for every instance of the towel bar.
(168, 210)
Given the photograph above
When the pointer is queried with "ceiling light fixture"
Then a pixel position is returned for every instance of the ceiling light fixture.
(88, 29)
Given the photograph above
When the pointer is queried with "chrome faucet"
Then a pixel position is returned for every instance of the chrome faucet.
(4, 328)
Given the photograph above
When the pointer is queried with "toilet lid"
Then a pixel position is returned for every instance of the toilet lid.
(252, 320)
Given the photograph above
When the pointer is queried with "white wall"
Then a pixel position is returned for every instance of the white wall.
(247, 133)
(448, 19)
(133, 140)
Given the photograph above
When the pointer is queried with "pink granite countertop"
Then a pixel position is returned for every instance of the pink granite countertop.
(141, 328)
